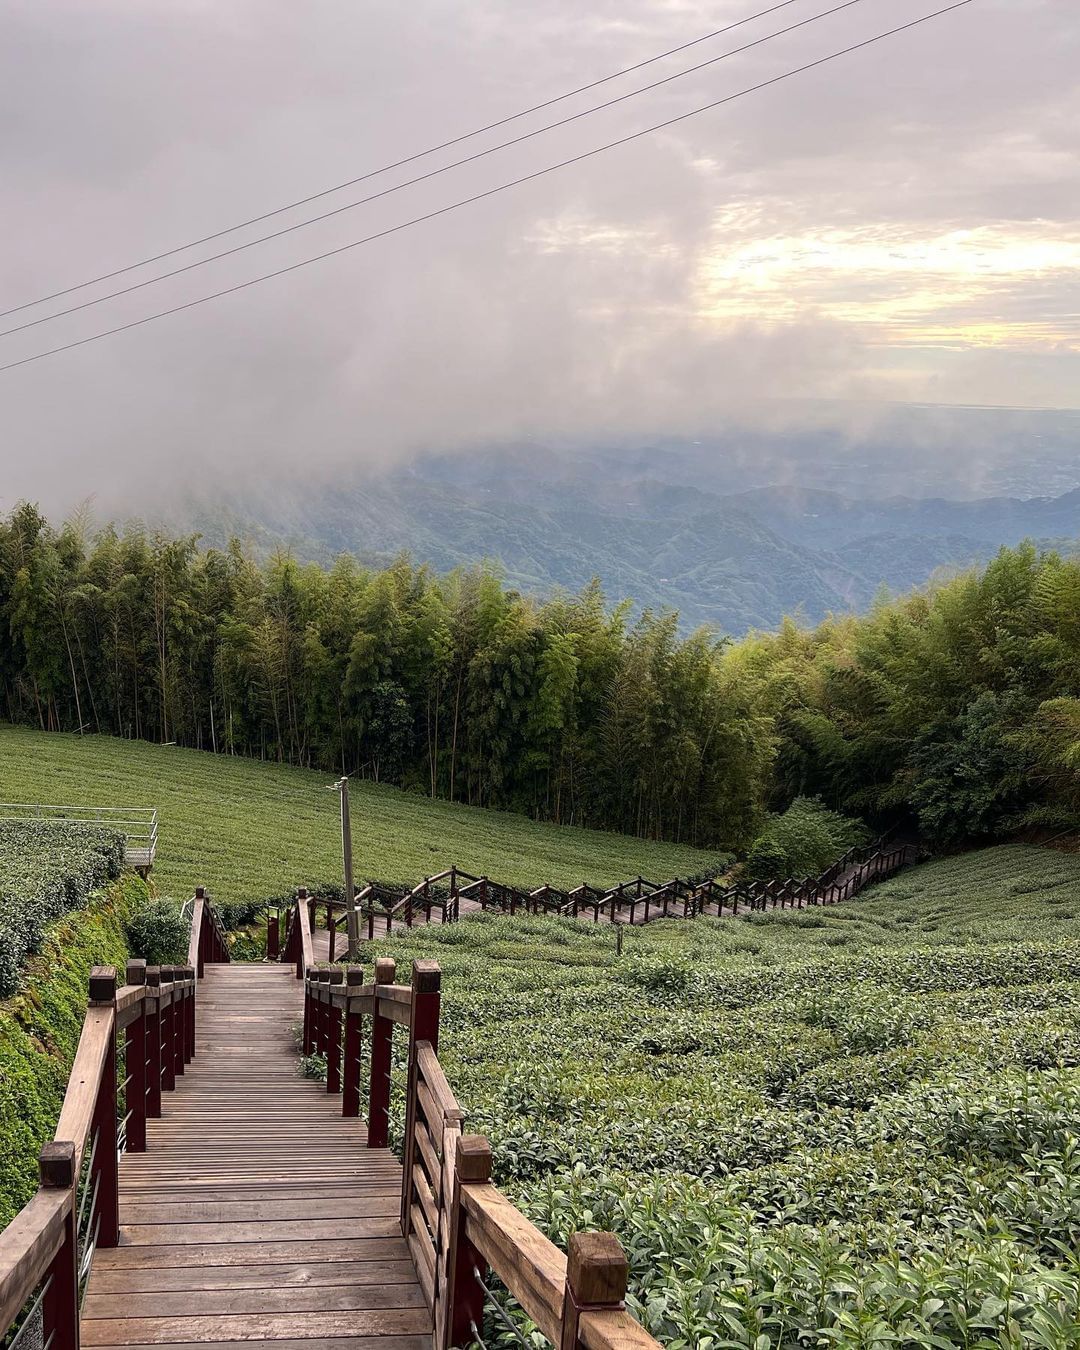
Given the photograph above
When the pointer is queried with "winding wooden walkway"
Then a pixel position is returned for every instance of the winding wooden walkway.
(257, 1216)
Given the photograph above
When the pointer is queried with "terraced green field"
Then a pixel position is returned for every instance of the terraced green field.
(853, 1127)
(247, 830)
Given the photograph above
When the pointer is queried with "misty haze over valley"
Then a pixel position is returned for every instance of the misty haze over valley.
(734, 530)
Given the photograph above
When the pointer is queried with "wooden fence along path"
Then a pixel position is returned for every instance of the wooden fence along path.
(208, 1196)
(449, 895)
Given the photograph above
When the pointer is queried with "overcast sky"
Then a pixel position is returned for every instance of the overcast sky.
(899, 224)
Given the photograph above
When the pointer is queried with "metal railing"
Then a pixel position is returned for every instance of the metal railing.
(138, 824)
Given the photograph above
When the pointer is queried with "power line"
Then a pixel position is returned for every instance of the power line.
(431, 173)
(401, 163)
(491, 192)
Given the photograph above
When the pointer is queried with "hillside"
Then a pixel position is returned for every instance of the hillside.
(849, 1127)
(248, 829)
(668, 529)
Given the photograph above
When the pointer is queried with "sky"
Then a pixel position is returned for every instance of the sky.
(900, 224)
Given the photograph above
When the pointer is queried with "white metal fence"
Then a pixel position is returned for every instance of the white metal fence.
(138, 824)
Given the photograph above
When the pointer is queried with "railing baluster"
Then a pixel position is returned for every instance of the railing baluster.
(423, 1026)
(334, 977)
(350, 1089)
(135, 1064)
(153, 1042)
(379, 1085)
(104, 1174)
(60, 1305)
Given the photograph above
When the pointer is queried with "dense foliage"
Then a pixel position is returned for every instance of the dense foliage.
(46, 869)
(453, 685)
(955, 708)
(844, 1127)
(159, 932)
(958, 708)
(40, 1025)
(802, 841)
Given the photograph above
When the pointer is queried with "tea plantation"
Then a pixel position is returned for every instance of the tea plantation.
(46, 870)
(249, 829)
(852, 1127)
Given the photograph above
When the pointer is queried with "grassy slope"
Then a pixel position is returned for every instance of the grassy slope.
(40, 1026)
(248, 830)
(878, 1100)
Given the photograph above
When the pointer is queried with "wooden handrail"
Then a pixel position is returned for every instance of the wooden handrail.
(636, 901)
(455, 1223)
(45, 1247)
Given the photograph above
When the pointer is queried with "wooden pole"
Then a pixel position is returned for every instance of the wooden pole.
(472, 1167)
(379, 1088)
(104, 1174)
(135, 1064)
(334, 1016)
(423, 1026)
(350, 1090)
(596, 1275)
(351, 921)
(60, 1306)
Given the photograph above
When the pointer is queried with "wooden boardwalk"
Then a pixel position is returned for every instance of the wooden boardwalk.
(257, 1216)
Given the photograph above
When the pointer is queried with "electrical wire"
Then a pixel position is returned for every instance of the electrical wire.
(491, 192)
(424, 177)
(401, 163)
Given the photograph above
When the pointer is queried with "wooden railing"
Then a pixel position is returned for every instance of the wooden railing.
(638, 901)
(46, 1250)
(459, 1228)
(208, 941)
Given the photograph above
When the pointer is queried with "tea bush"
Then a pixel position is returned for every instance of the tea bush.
(40, 1026)
(798, 1144)
(803, 841)
(47, 868)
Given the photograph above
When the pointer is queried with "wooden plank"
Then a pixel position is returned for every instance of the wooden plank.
(432, 1165)
(376, 1204)
(338, 1343)
(27, 1247)
(525, 1260)
(321, 1275)
(437, 1083)
(77, 1112)
(283, 1230)
(387, 1246)
(317, 1326)
(267, 1299)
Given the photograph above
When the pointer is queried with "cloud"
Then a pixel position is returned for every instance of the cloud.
(900, 224)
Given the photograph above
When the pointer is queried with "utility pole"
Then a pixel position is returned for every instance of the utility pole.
(351, 920)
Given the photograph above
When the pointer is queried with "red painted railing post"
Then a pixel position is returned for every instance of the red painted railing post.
(309, 1017)
(203, 934)
(135, 1064)
(179, 1021)
(168, 1032)
(324, 1011)
(350, 1088)
(273, 936)
(379, 1086)
(189, 1009)
(423, 1026)
(465, 1310)
(334, 976)
(60, 1304)
(153, 1042)
(104, 1172)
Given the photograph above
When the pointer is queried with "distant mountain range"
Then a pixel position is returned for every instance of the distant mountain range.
(689, 525)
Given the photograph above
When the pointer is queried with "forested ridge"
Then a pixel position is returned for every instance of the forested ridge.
(957, 709)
